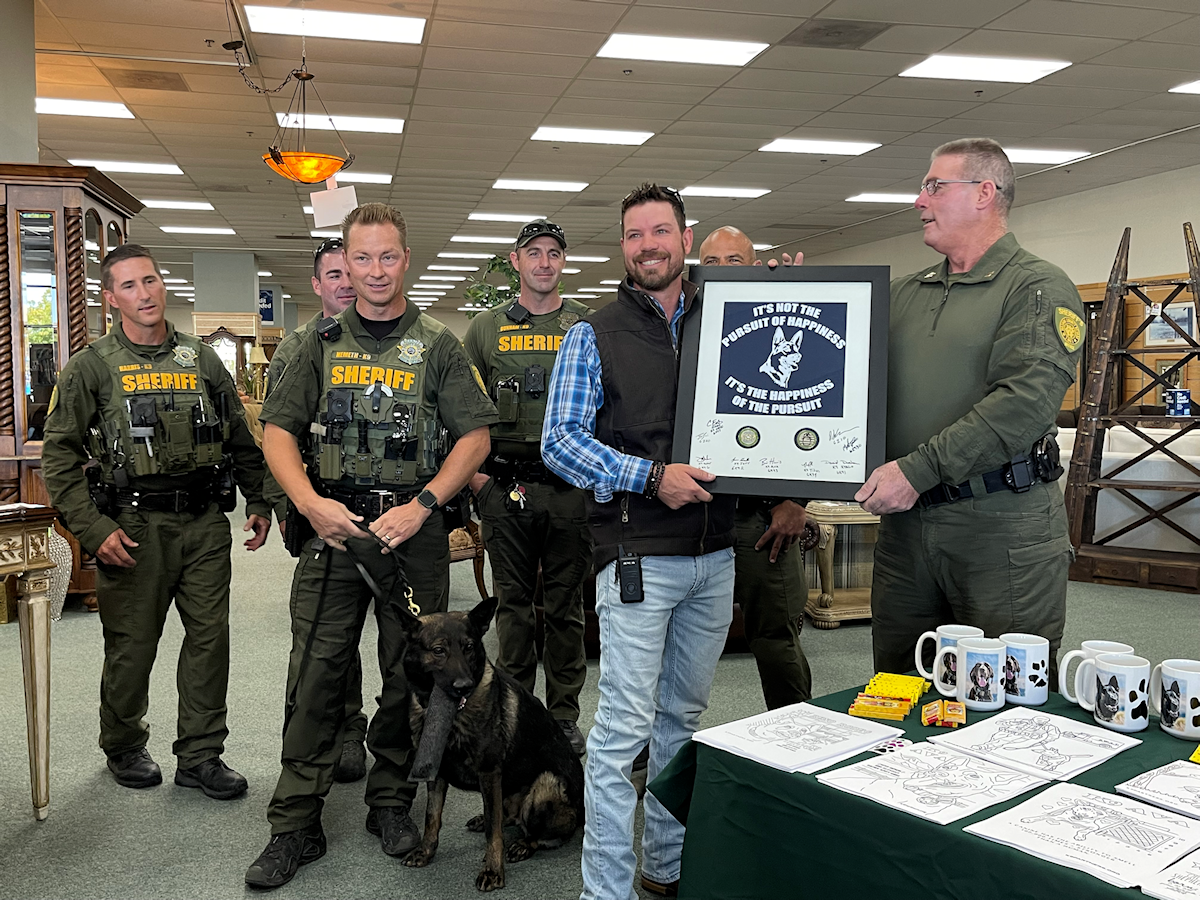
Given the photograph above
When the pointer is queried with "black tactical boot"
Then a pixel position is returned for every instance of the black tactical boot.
(284, 854)
(352, 764)
(213, 777)
(135, 769)
(395, 829)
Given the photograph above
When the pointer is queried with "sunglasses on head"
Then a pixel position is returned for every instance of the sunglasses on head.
(541, 227)
(327, 246)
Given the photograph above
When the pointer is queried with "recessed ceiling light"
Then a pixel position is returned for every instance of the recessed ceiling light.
(324, 234)
(591, 136)
(175, 281)
(480, 239)
(571, 271)
(441, 278)
(469, 308)
(430, 289)
(176, 204)
(437, 268)
(1052, 157)
(521, 184)
(131, 168)
(580, 296)
(830, 148)
(763, 246)
(190, 289)
(503, 287)
(882, 198)
(454, 255)
(692, 262)
(600, 290)
(984, 68)
(1192, 87)
(589, 259)
(317, 122)
(160, 271)
(189, 229)
(191, 299)
(686, 50)
(611, 281)
(364, 177)
(53, 106)
(690, 222)
(308, 210)
(287, 296)
(502, 217)
(326, 24)
(701, 190)
(264, 274)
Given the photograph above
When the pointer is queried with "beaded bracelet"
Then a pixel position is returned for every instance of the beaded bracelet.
(654, 480)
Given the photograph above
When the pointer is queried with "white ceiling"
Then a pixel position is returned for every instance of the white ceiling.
(491, 71)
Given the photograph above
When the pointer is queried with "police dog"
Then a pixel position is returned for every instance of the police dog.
(503, 743)
(784, 358)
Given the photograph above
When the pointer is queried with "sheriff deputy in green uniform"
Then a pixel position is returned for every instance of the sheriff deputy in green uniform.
(981, 351)
(530, 515)
(144, 441)
(330, 282)
(374, 400)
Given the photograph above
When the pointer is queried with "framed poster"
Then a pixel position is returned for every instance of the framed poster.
(783, 379)
(1159, 333)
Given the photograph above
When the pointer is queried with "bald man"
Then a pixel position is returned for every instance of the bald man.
(769, 579)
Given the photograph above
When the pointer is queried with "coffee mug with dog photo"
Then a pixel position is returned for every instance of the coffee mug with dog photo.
(1088, 650)
(1026, 668)
(1121, 687)
(1175, 696)
(980, 664)
(945, 636)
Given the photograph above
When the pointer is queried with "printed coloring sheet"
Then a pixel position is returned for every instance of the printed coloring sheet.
(1116, 839)
(1038, 743)
(1178, 882)
(797, 738)
(932, 782)
(1175, 786)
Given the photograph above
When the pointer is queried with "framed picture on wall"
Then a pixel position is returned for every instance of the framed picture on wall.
(1159, 332)
(783, 379)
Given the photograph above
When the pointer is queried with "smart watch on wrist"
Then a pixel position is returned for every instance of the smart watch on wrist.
(428, 499)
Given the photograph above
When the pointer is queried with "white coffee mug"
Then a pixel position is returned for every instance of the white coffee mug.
(980, 664)
(1121, 687)
(946, 636)
(1175, 696)
(1026, 668)
(1088, 650)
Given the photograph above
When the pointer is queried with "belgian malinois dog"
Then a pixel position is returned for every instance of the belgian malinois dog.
(503, 743)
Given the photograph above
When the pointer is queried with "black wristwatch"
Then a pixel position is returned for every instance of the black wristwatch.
(428, 499)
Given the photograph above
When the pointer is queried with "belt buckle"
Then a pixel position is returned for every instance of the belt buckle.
(380, 502)
(179, 501)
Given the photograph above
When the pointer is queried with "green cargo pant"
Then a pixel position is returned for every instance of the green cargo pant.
(772, 597)
(184, 558)
(550, 530)
(998, 562)
(328, 606)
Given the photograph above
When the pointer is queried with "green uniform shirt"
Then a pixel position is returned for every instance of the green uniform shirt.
(978, 363)
(450, 383)
(285, 352)
(86, 391)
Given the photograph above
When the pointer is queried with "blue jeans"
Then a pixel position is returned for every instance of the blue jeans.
(657, 660)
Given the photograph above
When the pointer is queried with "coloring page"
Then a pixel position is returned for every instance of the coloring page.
(1175, 786)
(931, 782)
(797, 738)
(1116, 839)
(1178, 882)
(1038, 743)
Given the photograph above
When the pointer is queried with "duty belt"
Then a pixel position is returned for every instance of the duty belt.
(1017, 476)
(194, 501)
(509, 471)
(370, 504)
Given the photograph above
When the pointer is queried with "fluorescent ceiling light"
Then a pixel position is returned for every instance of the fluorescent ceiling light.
(502, 217)
(571, 258)
(308, 210)
(177, 204)
(174, 281)
(571, 271)
(160, 271)
(1051, 157)
(591, 136)
(503, 287)
(364, 177)
(472, 308)
(189, 229)
(287, 296)
(264, 274)
(480, 239)
(686, 50)
(521, 184)
(1192, 87)
(131, 168)
(882, 198)
(428, 290)
(437, 268)
(317, 122)
(611, 281)
(182, 290)
(984, 68)
(327, 24)
(191, 299)
(580, 296)
(53, 106)
(690, 222)
(441, 278)
(701, 190)
(825, 148)
(692, 262)
(453, 255)
(324, 234)
(600, 290)
(763, 246)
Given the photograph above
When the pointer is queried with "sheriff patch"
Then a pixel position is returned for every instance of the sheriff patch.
(1070, 328)
(523, 343)
(185, 356)
(478, 378)
(159, 381)
(567, 319)
(410, 351)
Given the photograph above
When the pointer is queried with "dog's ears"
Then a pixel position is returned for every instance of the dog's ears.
(481, 615)
(1112, 682)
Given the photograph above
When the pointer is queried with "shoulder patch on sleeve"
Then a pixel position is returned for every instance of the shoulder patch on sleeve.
(1070, 328)
(53, 400)
(478, 378)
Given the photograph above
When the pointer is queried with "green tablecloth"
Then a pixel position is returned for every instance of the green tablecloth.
(756, 832)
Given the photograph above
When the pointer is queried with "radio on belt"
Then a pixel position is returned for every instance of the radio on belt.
(629, 576)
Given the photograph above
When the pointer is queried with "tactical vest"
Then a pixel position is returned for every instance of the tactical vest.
(376, 427)
(522, 358)
(163, 419)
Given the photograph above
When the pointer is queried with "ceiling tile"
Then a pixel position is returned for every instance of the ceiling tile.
(964, 13)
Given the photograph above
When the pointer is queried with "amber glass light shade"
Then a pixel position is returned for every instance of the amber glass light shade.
(304, 167)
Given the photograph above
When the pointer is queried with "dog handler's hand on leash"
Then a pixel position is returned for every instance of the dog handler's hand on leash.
(400, 523)
(679, 486)
(331, 520)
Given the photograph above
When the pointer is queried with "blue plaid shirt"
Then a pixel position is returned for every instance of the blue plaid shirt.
(569, 445)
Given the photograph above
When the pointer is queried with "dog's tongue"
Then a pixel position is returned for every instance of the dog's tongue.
(439, 716)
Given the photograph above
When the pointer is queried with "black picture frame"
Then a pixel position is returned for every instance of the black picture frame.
(854, 440)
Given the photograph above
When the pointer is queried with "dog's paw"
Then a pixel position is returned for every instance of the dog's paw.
(420, 857)
(520, 849)
(475, 824)
(489, 880)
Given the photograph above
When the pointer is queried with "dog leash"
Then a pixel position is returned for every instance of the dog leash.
(410, 605)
